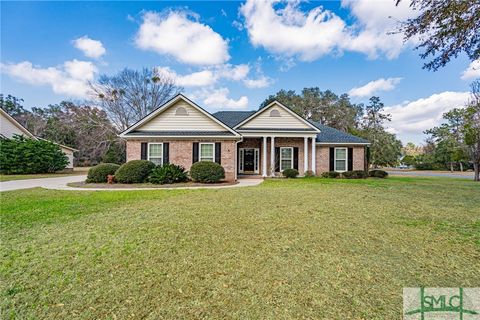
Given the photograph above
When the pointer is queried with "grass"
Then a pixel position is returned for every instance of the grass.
(11, 177)
(304, 248)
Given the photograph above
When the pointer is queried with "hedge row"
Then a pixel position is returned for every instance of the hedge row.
(355, 174)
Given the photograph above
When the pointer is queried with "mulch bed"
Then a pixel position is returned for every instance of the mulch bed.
(147, 185)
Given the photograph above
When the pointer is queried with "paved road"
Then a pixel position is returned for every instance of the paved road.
(61, 184)
(463, 175)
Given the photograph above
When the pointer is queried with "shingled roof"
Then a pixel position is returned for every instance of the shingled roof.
(232, 118)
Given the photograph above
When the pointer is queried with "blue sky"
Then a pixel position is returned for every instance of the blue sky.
(229, 55)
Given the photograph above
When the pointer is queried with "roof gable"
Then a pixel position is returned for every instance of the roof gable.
(179, 114)
(10, 126)
(275, 116)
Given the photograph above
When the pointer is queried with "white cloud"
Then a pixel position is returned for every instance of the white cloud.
(90, 48)
(472, 72)
(218, 99)
(261, 82)
(310, 35)
(374, 86)
(422, 114)
(176, 34)
(233, 72)
(70, 79)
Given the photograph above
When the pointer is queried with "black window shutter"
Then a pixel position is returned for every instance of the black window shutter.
(195, 152)
(277, 159)
(295, 158)
(332, 159)
(218, 152)
(143, 151)
(166, 152)
(350, 159)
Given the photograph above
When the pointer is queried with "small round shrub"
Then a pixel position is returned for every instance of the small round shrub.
(207, 172)
(168, 173)
(290, 173)
(309, 174)
(331, 174)
(355, 174)
(378, 174)
(100, 172)
(135, 171)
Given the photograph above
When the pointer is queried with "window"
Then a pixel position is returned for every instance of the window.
(207, 152)
(274, 113)
(155, 153)
(340, 159)
(181, 111)
(286, 158)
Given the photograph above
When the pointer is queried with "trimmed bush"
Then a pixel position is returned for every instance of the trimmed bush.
(135, 171)
(290, 173)
(355, 174)
(100, 172)
(20, 155)
(207, 172)
(378, 174)
(331, 174)
(309, 174)
(168, 173)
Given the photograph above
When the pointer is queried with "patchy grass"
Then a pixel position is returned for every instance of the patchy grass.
(300, 248)
(11, 177)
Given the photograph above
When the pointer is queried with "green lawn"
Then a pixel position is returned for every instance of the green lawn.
(305, 248)
(10, 177)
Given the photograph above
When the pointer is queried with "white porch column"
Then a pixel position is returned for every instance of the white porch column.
(313, 156)
(272, 156)
(264, 157)
(305, 155)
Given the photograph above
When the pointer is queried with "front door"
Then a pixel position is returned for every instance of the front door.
(248, 160)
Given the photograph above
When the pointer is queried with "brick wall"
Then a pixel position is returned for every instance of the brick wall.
(181, 153)
(323, 158)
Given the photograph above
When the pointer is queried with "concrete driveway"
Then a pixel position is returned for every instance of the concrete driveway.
(463, 175)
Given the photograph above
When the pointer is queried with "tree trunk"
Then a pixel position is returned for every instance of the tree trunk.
(461, 166)
(476, 168)
(451, 166)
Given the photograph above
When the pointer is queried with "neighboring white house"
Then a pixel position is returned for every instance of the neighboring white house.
(10, 127)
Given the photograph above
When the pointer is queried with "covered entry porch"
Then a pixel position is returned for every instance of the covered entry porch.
(269, 155)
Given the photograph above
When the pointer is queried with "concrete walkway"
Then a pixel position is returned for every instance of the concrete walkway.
(462, 175)
(61, 184)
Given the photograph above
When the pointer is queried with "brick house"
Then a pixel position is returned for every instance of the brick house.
(263, 142)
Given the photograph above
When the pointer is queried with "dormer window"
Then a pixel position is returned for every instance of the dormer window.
(274, 113)
(181, 111)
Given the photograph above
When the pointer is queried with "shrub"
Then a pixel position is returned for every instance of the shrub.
(429, 166)
(207, 172)
(20, 155)
(309, 173)
(100, 172)
(168, 173)
(355, 174)
(135, 171)
(378, 174)
(331, 174)
(290, 173)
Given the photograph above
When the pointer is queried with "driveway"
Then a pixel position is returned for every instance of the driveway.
(462, 175)
(61, 184)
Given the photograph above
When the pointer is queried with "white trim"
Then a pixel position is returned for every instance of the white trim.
(256, 160)
(272, 156)
(264, 157)
(184, 137)
(305, 155)
(148, 152)
(335, 159)
(200, 150)
(18, 125)
(167, 105)
(281, 158)
(280, 105)
(344, 143)
(314, 157)
(279, 134)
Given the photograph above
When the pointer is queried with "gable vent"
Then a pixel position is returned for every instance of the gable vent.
(274, 113)
(181, 111)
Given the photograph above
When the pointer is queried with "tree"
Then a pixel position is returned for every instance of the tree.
(444, 29)
(322, 106)
(130, 95)
(471, 129)
(385, 148)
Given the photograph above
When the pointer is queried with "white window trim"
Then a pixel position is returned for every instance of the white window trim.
(335, 160)
(148, 152)
(281, 158)
(200, 151)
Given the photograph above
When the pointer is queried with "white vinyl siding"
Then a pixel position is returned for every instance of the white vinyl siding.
(341, 159)
(155, 153)
(169, 120)
(207, 152)
(286, 158)
(284, 121)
